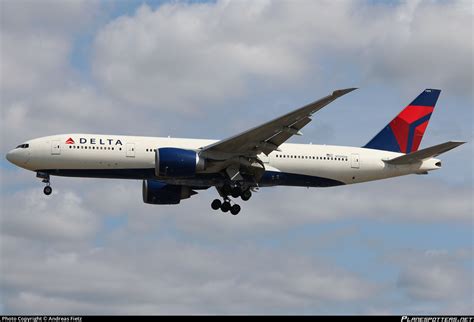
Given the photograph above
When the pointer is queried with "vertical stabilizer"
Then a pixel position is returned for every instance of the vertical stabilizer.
(404, 133)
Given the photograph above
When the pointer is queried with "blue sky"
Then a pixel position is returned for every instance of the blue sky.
(210, 70)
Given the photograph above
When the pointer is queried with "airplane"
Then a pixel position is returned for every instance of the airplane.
(173, 169)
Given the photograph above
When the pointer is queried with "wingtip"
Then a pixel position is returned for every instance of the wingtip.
(340, 92)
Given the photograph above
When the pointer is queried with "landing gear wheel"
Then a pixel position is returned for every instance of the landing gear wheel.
(235, 209)
(226, 190)
(246, 195)
(225, 206)
(216, 204)
(236, 191)
(47, 190)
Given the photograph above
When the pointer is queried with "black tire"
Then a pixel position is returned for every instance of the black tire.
(236, 192)
(246, 195)
(225, 206)
(216, 204)
(47, 190)
(235, 209)
(226, 190)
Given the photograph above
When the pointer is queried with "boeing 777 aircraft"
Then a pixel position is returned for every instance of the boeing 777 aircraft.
(174, 169)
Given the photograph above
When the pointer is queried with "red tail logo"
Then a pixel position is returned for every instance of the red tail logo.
(70, 141)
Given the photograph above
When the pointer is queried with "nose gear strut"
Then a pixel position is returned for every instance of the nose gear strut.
(45, 176)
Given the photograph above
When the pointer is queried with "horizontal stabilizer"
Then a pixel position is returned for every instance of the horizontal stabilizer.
(424, 154)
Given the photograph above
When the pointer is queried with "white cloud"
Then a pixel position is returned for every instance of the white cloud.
(39, 91)
(172, 277)
(30, 60)
(424, 42)
(29, 214)
(424, 200)
(36, 42)
(435, 275)
(73, 108)
(180, 56)
(416, 199)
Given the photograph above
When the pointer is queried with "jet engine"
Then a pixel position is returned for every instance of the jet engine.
(177, 163)
(160, 193)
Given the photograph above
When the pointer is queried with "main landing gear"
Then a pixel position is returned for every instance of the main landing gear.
(47, 190)
(235, 192)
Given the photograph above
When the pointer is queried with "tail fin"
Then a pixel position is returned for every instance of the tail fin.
(404, 133)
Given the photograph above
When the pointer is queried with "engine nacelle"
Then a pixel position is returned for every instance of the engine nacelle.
(160, 193)
(177, 163)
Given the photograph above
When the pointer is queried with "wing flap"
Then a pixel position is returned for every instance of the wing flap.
(424, 154)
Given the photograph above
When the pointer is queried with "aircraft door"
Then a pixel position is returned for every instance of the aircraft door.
(55, 147)
(355, 161)
(130, 150)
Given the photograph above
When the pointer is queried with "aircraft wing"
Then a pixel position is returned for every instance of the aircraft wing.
(268, 136)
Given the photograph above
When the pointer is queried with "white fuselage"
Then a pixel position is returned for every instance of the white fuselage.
(133, 157)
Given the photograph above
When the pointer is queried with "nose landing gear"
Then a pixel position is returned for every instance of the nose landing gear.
(47, 190)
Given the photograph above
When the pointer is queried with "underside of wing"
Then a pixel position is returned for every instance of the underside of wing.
(269, 136)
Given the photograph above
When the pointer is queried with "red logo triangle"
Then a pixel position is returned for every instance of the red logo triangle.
(70, 141)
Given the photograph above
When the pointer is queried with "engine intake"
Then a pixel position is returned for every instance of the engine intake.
(177, 163)
(160, 193)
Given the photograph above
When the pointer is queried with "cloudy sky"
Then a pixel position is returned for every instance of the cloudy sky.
(209, 70)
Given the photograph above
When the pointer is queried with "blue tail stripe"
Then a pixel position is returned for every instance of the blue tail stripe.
(427, 98)
(384, 140)
(411, 131)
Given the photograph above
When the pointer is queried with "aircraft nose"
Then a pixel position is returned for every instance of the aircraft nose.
(15, 157)
(9, 156)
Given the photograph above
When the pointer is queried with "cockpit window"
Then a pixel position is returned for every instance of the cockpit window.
(23, 146)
